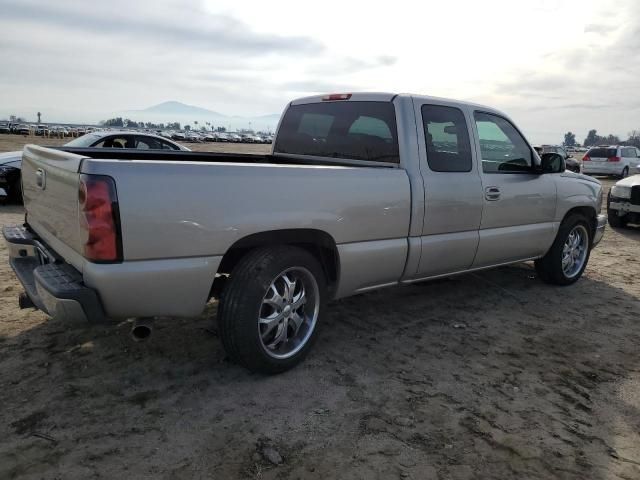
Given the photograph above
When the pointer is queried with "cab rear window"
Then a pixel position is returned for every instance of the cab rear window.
(348, 130)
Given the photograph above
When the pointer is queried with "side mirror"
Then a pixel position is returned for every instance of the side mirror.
(552, 163)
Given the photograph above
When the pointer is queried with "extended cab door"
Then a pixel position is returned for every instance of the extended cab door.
(519, 205)
(453, 189)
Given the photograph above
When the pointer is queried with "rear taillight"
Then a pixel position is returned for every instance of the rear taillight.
(99, 219)
(336, 96)
(586, 158)
(613, 159)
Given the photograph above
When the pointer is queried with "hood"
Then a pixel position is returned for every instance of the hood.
(630, 181)
(10, 157)
(569, 173)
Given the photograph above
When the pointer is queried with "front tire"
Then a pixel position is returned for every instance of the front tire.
(567, 258)
(270, 307)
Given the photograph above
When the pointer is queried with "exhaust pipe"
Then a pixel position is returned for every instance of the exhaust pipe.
(25, 302)
(142, 329)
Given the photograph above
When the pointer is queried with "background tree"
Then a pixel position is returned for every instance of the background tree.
(634, 138)
(113, 122)
(611, 139)
(569, 139)
(592, 138)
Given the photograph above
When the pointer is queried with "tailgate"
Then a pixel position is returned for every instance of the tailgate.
(50, 182)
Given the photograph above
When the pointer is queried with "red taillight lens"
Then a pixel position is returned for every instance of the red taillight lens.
(336, 96)
(586, 158)
(99, 218)
(613, 159)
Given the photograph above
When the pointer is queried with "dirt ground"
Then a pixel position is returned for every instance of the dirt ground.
(492, 375)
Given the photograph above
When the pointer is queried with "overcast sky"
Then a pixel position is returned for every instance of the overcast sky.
(552, 65)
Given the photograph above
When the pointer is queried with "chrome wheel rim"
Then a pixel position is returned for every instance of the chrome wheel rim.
(289, 312)
(574, 251)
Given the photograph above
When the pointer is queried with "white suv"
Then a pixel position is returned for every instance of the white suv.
(611, 160)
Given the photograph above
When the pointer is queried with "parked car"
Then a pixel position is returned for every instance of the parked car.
(42, 130)
(10, 176)
(246, 138)
(570, 163)
(613, 160)
(11, 165)
(4, 128)
(192, 137)
(361, 191)
(623, 202)
(22, 129)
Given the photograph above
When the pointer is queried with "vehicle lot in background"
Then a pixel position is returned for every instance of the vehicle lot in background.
(14, 142)
(493, 369)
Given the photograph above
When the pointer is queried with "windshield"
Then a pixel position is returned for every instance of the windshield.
(84, 141)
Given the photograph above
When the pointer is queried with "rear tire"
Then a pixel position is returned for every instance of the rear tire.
(565, 262)
(270, 307)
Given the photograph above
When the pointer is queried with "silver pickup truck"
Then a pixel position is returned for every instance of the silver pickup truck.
(361, 191)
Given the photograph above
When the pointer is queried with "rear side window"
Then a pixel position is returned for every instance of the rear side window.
(351, 130)
(602, 152)
(446, 138)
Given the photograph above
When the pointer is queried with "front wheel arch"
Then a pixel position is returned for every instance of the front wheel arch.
(551, 267)
(589, 213)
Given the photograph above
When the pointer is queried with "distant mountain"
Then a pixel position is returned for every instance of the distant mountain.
(174, 111)
(178, 108)
(271, 116)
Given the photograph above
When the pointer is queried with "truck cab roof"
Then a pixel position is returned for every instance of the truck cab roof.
(385, 97)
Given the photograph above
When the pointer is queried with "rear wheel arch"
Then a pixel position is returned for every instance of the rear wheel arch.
(318, 243)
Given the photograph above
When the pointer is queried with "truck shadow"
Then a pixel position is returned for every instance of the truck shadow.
(494, 374)
(630, 231)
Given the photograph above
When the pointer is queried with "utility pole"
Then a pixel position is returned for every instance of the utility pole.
(39, 115)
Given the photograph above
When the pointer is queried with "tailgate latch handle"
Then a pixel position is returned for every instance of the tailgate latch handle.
(40, 179)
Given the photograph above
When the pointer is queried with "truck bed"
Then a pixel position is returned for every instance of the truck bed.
(209, 157)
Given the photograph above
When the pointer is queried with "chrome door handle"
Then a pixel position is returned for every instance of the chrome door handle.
(492, 193)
